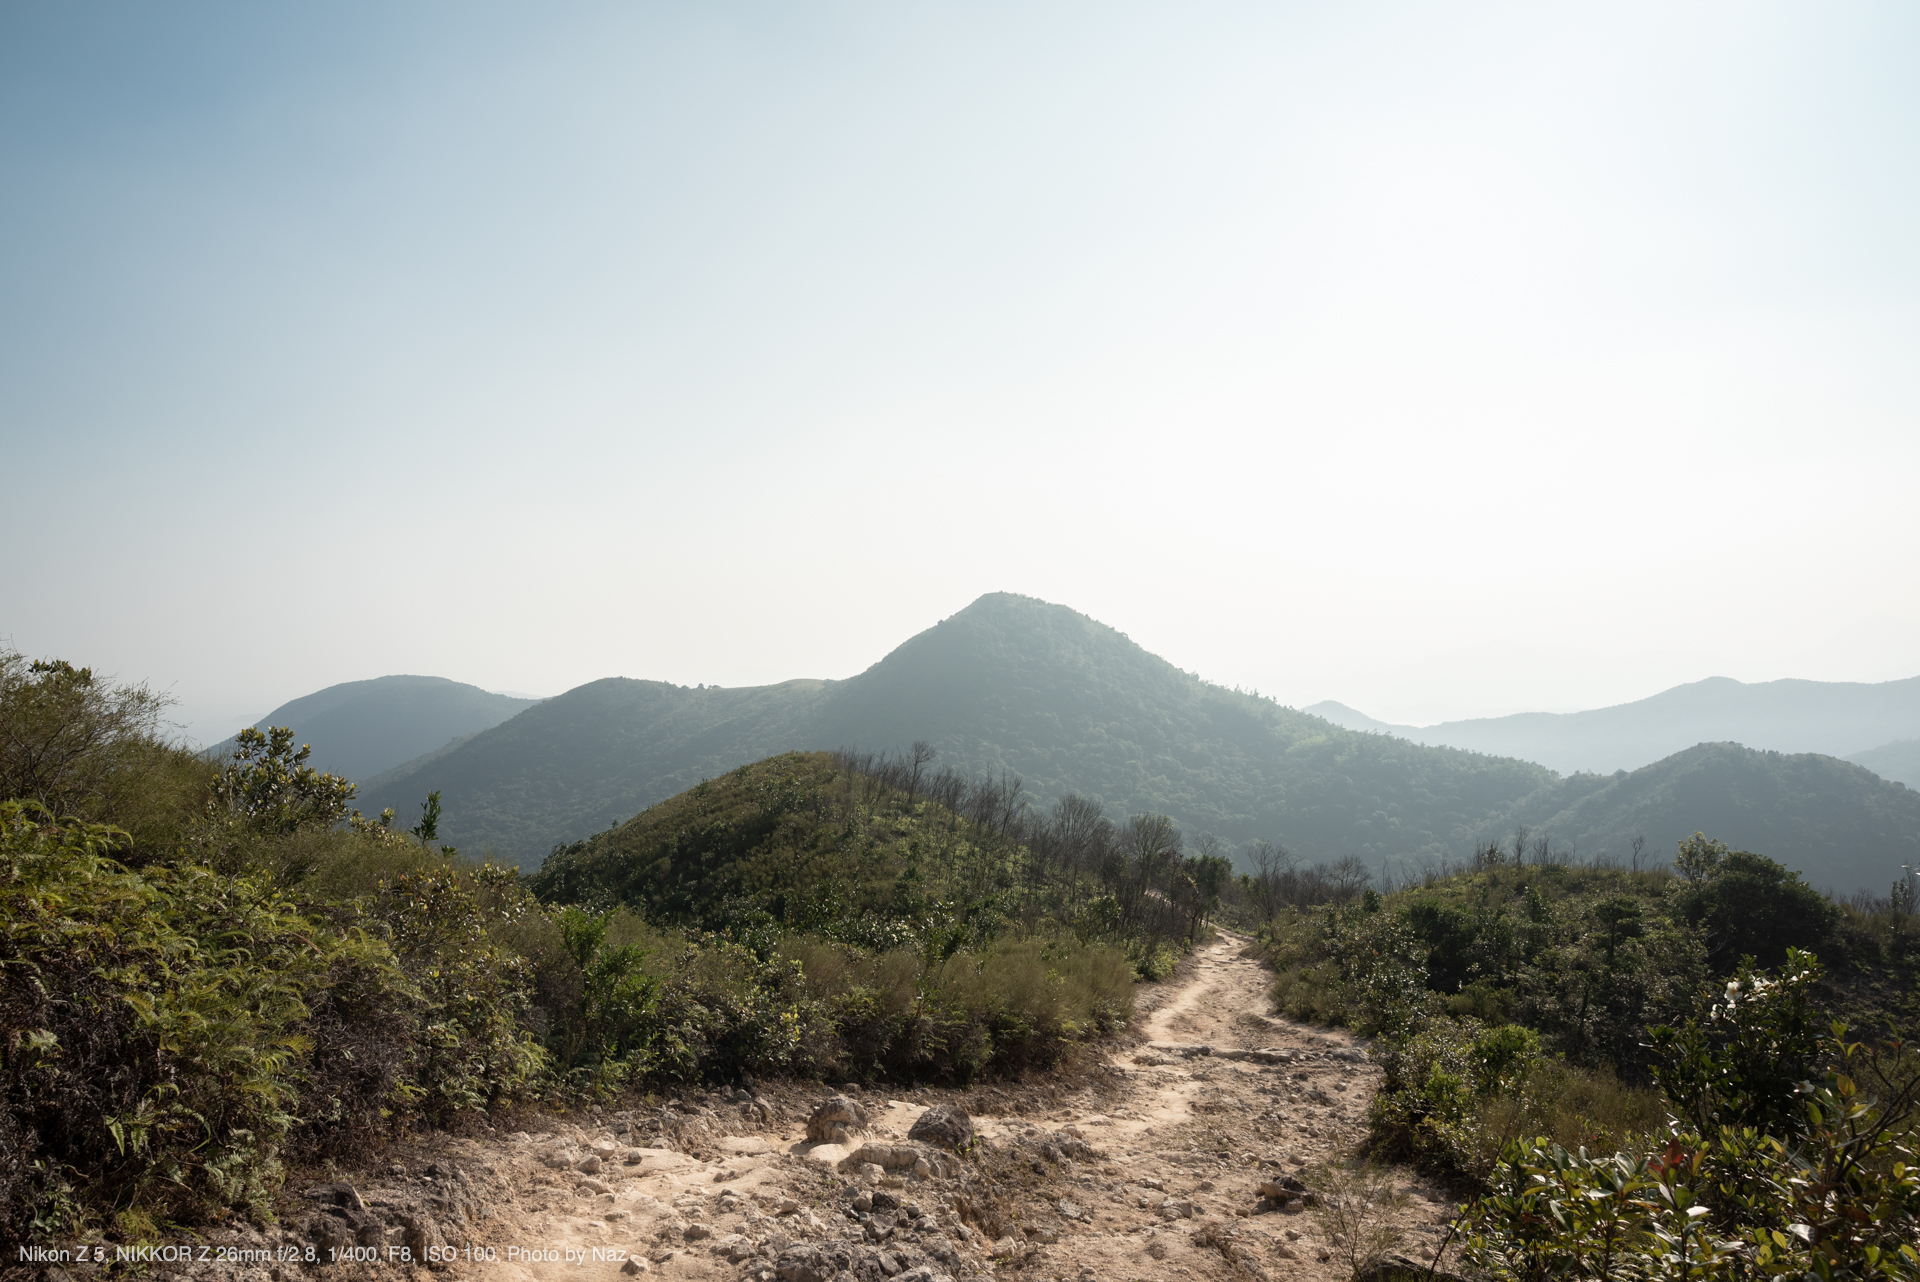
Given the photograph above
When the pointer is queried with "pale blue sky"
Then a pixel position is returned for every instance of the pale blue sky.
(1440, 359)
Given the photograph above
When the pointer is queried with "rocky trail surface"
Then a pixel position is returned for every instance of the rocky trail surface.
(1180, 1156)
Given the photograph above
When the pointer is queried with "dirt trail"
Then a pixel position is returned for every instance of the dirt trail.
(1147, 1167)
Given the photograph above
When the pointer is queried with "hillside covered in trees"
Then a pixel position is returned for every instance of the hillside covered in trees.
(1018, 688)
(1840, 824)
(1009, 684)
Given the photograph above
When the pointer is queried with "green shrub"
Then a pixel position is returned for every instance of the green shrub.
(1747, 905)
(1805, 1169)
(1152, 959)
(157, 1027)
(1502, 1058)
(86, 748)
(1354, 964)
(473, 1045)
(1422, 1113)
(1456, 1092)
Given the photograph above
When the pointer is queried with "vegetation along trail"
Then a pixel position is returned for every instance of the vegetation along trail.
(1178, 1154)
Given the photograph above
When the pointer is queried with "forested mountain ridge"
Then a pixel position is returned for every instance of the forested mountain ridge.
(586, 759)
(1069, 705)
(1008, 684)
(1842, 825)
(361, 728)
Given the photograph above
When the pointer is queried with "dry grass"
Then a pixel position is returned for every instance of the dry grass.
(1572, 1106)
(1352, 1206)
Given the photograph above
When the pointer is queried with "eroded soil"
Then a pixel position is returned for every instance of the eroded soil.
(1147, 1163)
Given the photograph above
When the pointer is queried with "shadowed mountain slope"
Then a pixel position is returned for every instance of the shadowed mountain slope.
(584, 760)
(1840, 824)
(1009, 683)
(1071, 705)
(360, 728)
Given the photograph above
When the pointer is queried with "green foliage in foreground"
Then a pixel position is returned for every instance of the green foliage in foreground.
(1793, 1158)
(169, 1030)
(1554, 1040)
(260, 971)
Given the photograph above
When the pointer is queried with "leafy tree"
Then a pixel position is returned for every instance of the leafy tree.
(65, 734)
(1699, 857)
(428, 828)
(269, 787)
(1621, 916)
(84, 747)
(1747, 905)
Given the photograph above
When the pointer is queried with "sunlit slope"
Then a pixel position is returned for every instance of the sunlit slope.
(1072, 705)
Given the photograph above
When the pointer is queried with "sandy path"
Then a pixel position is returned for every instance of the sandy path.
(1147, 1168)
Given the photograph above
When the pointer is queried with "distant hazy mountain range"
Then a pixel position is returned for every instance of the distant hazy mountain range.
(360, 728)
(1859, 722)
(1070, 705)
(1899, 760)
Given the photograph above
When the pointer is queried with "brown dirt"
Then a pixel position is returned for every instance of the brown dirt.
(1144, 1162)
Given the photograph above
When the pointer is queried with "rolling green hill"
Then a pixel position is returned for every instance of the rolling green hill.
(584, 760)
(1840, 824)
(361, 728)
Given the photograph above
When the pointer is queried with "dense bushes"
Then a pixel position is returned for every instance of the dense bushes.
(1750, 1137)
(863, 851)
(1456, 1091)
(1792, 1158)
(158, 1027)
(261, 969)
(1349, 963)
(665, 1006)
(1586, 961)
(1746, 905)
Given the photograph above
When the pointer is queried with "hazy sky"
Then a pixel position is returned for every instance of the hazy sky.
(1442, 359)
